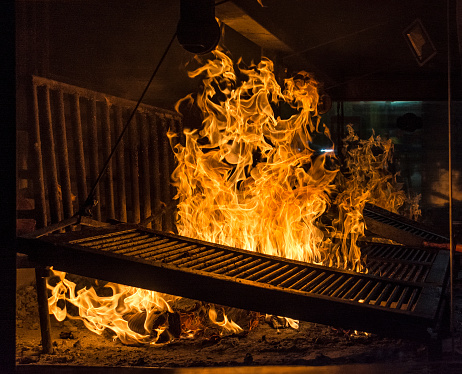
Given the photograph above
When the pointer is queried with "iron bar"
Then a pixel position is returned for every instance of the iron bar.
(81, 178)
(318, 288)
(260, 272)
(155, 171)
(330, 287)
(134, 172)
(304, 279)
(167, 223)
(39, 189)
(171, 257)
(283, 276)
(50, 156)
(233, 266)
(222, 264)
(237, 270)
(144, 169)
(120, 168)
(217, 261)
(62, 147)
(107, 140)
(44, 315)
(166, 251)
(293, 278)
(192, 257)
(267, 278)
(93, 137)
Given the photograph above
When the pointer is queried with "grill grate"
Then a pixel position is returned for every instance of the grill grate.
(403, 286)
(395, 227)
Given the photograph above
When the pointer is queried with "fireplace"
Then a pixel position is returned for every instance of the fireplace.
(71, 111)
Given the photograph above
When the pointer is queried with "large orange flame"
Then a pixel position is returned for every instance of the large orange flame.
(249, 179)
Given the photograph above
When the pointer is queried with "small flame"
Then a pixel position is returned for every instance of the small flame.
(115, 312)
(226, 324)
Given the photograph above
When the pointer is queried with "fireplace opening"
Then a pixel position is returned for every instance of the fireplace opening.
(295, 228)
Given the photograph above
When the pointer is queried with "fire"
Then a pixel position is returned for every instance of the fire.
(251, 179)
(131, 313)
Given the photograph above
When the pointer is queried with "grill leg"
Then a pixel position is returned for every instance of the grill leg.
(42, 297)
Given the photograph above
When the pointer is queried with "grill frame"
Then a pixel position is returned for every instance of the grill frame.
(242, 286)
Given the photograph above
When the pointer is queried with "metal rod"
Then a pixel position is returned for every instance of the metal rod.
(114, 245)
(120, 168)
(39, 189)
(272, 274)
(293, 278)
(319, 287)
(250, 271)
(155, 172)
(100, 239)
(134, 172)
(64, 168)
(94, 154)
(109, 188)
(78, 144)
(246, 265)
(234, 265)
(332, 285)
(191, 259)
(261, 272)
(402, 297)
(217, 261)
(44, 315)
(312, 282)
(304, 279)
(214, 267)
(286, 275)
(169, 252)
(170, 256)
(144, 170)
(53, 194)
(451, 234)
(165, 174)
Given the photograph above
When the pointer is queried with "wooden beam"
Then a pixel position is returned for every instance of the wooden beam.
(236, 18)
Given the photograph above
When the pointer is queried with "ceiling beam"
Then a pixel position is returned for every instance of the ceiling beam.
(236, 18)
(239, 20)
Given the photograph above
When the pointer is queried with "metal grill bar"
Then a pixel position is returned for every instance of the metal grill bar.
(395, 227)
(229, 276)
